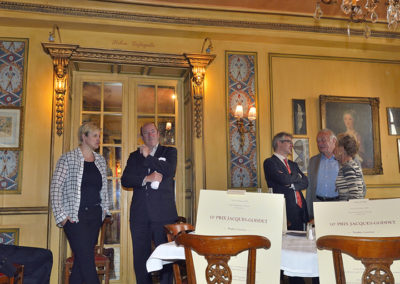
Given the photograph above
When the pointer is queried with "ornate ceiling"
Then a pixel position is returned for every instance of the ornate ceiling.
(293, 7)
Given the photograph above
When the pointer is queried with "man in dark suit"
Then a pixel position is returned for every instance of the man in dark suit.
(150, 172)
(285, 177)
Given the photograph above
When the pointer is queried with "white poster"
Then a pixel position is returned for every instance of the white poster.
(359, 217)
(243, 213)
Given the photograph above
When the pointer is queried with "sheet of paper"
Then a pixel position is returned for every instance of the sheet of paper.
(361, 217)
(222, 213)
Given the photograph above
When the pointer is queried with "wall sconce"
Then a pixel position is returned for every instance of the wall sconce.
(169, 134)
(251, 116)
(168, 126)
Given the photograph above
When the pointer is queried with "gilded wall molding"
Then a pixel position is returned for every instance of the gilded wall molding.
(129, 57)
(148, 18)
(77, 53)
(24, 210)
(197, 63)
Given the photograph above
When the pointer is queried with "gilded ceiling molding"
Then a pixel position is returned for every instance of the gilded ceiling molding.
(199, 63)
(146, 18)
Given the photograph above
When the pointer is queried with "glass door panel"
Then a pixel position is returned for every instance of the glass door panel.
(146, 99)
(91, 96)
(102, 104)
(113, 96)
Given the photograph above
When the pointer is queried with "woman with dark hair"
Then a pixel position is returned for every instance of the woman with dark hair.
(80, 202)
(350, 181)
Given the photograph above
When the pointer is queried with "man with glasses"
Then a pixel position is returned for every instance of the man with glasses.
(285, 177)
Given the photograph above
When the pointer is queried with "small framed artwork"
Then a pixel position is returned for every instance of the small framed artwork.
(11, 128)
(9, 236)
(393, 115)
(299, 117)
(301, 153)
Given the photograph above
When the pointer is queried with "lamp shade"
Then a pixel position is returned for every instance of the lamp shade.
(239, 111)
(252, 113)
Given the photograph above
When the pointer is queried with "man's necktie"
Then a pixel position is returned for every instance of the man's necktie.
(297, 194)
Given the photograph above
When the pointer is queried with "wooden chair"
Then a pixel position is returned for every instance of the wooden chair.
(218, 250)
(102, 262)
(377, 255)
(18, 277)
(172, 231)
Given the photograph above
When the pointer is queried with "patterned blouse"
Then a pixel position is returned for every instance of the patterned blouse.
(350, 182)
(65, 188)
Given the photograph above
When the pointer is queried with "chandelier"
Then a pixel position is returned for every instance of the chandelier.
(363, 11)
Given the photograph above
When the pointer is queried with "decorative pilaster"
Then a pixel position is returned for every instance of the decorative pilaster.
(61, 54)
(199, 63)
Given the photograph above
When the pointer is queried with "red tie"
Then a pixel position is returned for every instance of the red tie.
(298, 197)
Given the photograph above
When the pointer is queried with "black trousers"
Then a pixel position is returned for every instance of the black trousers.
(37, 262)
(82, 237)
(143, 232)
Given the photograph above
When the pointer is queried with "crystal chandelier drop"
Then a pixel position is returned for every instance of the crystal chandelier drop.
(363, 11)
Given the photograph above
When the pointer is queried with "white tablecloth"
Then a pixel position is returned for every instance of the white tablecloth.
(164, 254)
(299, 256)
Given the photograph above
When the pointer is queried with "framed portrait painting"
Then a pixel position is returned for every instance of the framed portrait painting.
(299, 117)
(10, 128)
(393, 114)
(359, 117)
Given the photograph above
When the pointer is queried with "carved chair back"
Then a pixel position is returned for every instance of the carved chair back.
(172, 231)
(218, 250)
(376, 253)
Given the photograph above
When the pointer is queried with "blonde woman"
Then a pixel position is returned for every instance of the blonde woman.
(79, 200)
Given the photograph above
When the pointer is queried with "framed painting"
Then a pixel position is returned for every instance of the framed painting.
(393, 115)
(357, 116)
(301, 153)
(11, 128)
(9, 236)
(299, 117)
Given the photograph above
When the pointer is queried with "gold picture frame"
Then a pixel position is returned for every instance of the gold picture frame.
(5, 234)
(11, 128)
(359, 117)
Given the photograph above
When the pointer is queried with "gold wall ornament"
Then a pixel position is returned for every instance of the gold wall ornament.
(199, 63)
(61, 54)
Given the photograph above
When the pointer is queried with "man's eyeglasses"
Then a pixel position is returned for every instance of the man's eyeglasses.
(287, 141)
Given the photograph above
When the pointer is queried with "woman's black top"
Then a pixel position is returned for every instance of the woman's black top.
(91, 185)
